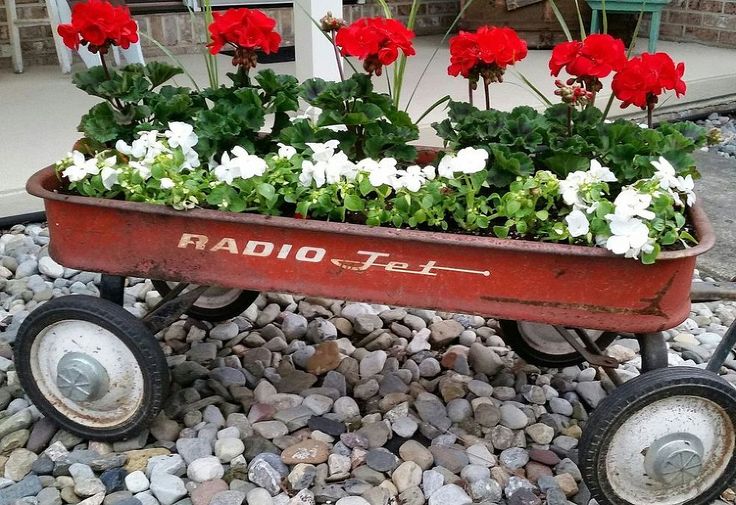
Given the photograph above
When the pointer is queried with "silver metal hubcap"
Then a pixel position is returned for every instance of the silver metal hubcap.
(81, 378)
(675, 459)
(87, 373)
(670, 451)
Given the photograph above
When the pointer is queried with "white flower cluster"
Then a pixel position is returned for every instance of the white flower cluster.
(629, 223)
(329, 166)
(150, 144)
(468, 160)
(80, 168)
(573, 189)
(674, 184)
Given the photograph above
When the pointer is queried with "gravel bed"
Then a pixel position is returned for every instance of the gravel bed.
(308, 400)
(726, 126)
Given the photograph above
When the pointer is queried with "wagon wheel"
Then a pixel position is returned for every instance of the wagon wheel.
(216, 304)
(665, 437)
(541, 344)
(91, 366)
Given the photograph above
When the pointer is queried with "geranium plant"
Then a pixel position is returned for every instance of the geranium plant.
(562, 174)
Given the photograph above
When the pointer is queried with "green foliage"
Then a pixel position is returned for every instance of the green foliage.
(524, 141)
(375, 127)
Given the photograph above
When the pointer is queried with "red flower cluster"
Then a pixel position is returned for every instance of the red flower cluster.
(593, 58)
(645, 77)
(99, 24)
(247, 29)
(489, 46)
(376, 41)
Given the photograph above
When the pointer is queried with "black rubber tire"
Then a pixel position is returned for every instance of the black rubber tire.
(631, 397)
(129, 329)
(515, 339)
(215, 315)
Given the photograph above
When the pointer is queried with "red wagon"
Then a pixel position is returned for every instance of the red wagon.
(554, 288)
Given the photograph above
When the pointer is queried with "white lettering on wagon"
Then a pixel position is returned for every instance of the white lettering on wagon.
(399, 266)
(309, 254)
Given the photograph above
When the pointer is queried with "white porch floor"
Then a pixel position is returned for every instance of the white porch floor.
(40, 109)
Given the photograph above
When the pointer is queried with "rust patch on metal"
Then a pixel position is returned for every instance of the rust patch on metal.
(652, 307)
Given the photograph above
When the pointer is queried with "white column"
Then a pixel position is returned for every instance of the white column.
(315, 56)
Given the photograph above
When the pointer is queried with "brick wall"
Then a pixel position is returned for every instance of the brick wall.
(711, 22)
(174, 30)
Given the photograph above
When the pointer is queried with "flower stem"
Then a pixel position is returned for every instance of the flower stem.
(487, 85)
(117, 101)
(650, 113)
(569, 120)
(333, 33)
(470, 92)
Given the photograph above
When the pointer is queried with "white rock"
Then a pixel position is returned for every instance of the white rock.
(352, 500)
(450, 494)
(258, 496)
(228, 448)
(372, 363)
(136, 482)
(419, 342)
(168, 489)
(407, 475)
(206, 468)
(48, 266)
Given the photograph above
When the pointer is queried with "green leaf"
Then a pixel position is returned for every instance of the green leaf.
(158, 72)
(354, 203)
(311, 89)
(267, 191)
(501, 231)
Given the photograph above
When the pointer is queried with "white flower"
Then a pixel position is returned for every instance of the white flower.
(570, 188)
(191, 160)
(312, 172)
(381, 172)
(673, 183)
(249, 165)
(323, 152)
(446, 168)
(240, 164)
(412, 178)
(471, 160)
(145, 148)
(336, 127)
(577, 223)
(286, 152)
(599, 173)
(631, 203)
(340, 166)
(181, 135)
(80, 168)
(109, 176)
(629, 235)
(429, 172)
(311, 113)
(167, 183)
(143, 170)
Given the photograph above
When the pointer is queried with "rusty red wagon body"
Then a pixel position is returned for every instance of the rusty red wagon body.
(520, 280)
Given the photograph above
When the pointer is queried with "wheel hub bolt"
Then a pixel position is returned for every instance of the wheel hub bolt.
(81, 378)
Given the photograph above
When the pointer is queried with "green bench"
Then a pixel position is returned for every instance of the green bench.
(651, 6)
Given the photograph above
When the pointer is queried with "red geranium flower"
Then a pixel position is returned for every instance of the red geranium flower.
(486, 53)
(645, 77)
(595, 57)
(99, 24)
(376, 41)
(248, 29)
(501, 46)
(464, 54)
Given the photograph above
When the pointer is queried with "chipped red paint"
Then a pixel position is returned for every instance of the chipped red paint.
(553, 283)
